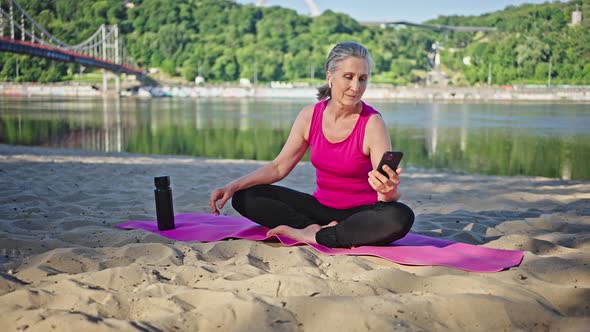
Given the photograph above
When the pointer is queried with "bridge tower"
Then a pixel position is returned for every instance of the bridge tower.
(313, 8)
(105, 49)
(577, 16)
(110, 50)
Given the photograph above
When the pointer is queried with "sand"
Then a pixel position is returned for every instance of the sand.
(65, 267)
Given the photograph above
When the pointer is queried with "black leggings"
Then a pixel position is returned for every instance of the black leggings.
(376, 224)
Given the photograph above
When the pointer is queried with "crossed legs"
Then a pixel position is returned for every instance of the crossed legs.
(300, 216)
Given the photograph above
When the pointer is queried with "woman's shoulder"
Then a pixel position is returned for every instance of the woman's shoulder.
(304, 118)
(375, 120)
(369, 110)
(308, 111)
(371, 114)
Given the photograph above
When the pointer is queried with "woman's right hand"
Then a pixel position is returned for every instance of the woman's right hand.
(222, 195)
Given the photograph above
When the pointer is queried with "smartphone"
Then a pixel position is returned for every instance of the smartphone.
(391, 159)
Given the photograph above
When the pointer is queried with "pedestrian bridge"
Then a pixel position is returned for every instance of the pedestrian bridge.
(20, 33)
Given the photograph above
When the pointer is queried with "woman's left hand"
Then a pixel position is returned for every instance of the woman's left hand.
(384, 186)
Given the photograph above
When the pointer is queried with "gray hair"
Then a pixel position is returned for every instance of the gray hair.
(341, 52)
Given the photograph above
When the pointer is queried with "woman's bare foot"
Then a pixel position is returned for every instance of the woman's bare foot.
(333, 223)
(306, 234)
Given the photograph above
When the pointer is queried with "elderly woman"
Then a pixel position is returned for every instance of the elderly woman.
(354, 204)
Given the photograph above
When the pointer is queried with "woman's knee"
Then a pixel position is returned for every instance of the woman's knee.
(405, 216)
(400, 219)
(237, 200)
(245, 197)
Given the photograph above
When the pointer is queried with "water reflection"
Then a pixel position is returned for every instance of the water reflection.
(433, 137)
(543, 140)
(112, 144)
(244, 114)
(463, 129)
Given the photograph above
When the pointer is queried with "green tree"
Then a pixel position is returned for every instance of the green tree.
(231, 40)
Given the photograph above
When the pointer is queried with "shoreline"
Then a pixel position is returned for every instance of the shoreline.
(376, 92)
(64, 265)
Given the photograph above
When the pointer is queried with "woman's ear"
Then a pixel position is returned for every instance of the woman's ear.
(330, 84)
(329, 79)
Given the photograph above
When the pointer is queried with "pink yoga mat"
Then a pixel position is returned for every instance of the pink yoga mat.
(413, 249)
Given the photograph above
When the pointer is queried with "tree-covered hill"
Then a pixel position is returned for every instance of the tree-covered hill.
(531, 40)
(226, 41)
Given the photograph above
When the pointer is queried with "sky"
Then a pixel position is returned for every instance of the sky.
(393, 10)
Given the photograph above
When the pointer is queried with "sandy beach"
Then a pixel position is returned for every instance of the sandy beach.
(65, 267)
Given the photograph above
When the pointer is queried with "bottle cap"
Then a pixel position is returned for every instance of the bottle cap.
(162, 181)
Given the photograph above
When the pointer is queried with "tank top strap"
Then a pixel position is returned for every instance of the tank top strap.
(361, 126)
(315, 127)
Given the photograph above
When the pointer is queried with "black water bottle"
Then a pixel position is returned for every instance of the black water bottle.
(164, 209)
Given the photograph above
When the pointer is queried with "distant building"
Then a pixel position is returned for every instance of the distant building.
(577, 16)
(244, 82)
(128, 4)
(467, 61)
(199, 80)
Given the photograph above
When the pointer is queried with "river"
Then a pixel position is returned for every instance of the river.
(536, 139)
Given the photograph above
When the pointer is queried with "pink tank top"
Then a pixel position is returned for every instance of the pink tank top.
(341, 168)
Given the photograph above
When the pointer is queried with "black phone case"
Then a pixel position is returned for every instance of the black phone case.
(391, 159)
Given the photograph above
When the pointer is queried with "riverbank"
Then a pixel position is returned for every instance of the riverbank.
(377, 92)
(64, 266)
